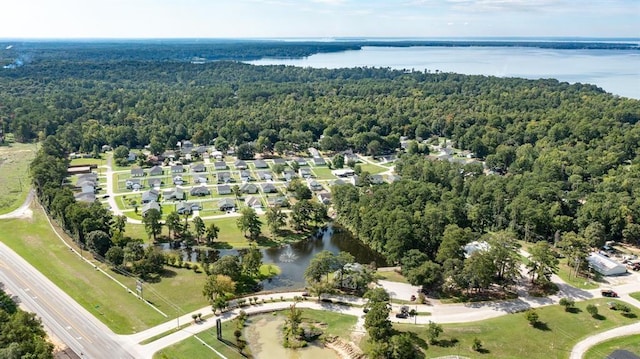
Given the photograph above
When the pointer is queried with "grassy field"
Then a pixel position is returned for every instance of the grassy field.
(193, 349)
(630, 343)
(635, 295)
(566, 274)
(323, 173)
(14, 174)
(337, 324)
(35, 241)
(372, 169)
(391, 276)
(511, 336)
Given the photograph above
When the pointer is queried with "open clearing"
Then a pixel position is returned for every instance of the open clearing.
(14, 174)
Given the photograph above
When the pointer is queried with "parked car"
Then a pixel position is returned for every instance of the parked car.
(608, 293)
(402, 315)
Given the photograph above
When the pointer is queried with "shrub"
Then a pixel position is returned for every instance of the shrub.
(477, 345)
(532, 317)
(593, 310)
(421, 298)
(567, 303)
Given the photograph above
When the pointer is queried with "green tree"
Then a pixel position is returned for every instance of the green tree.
(433, 332)
(115, 256)
(152, 224)
(338, 161)
(229, 266)
(173, 223)
(199, 227)
(120, 223)
(245, 151)
(592, 310)
(218, 285)
(532, 317)
(567, 303)
(377, 322)
(251, 261)
(321, 265)
(453, 240)
(576, 249)
(98, 242)
(276, 219)
(402, 347)
(542, 262)
(212, 233)
(249, 222)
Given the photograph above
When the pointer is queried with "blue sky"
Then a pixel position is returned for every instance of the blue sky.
(317, 18)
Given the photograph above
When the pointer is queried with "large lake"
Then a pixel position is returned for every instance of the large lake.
(616, 71)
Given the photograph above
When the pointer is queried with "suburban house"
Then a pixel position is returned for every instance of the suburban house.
(187, 207)
(344, 172)
(88, 177)
(350, 157)
(219, 165)
(337, 182)
(216, 154)
(85, 197)
(133, 183)
(319, 161)
(376, 179)
(224, 189)
(265, 175)
(279, 161)
(354, 180)
(200, 191)
(132, 157)
(178, 180)
(313, 152)
(324, 198)
(245, 175)
(226, 204)
(260, 164)
(156, 171)
(269, 188)
(393, 178)
(169, 154)
(200, 178)
(300, 161)
(305, 173)
(289, 174)
(475, 246)
(173, 194)
(604, 265)
(106, 148)
(200, 150)
(279, 201)
(200, 167)
(137, 172)
(186, 146)
(177, 169)
(150, 196)
(224, 177)
(253, 202)
(314, 185)
(149, 206)
(154, 182)
(240, 164)
(249, 188)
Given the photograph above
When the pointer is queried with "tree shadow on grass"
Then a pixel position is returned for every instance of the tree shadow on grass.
(416, 340)
(447, 343)
(168, 273)
(483, 351)
(574, 310)
(542, 326)
(222, 245)
(598, 317)
(629, 315)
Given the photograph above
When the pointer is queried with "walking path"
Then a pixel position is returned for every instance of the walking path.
(23, 211)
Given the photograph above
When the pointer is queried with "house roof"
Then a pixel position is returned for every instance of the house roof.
(219, 164)
(604, 264)
(279, 161)
(224, 188)
(85, 197)
(198, 167)
(226, 202)
(301, 161)
(200, 190)
(150, 195)
(177, 168)
(252, 201)
(155, 170)
(260, 164)
(151, 205)
(240, 163)
(137, 171)
(155, 182)
(268, 187)
(133, 181)
(249, 187)
(177, 193)
(319, 161)
(265, 175)
(276, 201)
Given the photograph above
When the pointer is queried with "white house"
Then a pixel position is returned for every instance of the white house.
(475, 246)
(605, 265)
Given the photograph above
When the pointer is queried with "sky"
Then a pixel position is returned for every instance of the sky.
(318, 18)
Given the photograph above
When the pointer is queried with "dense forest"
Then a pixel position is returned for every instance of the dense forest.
(563, 158)
(21, 333)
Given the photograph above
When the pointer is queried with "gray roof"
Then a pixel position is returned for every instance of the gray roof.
(198, 168)
(279, 161)
(201, 190)
(155, 170)
(150, 195)
(260, 164)
(151, 205)
(269, 188)
(137, 172)
(177, 168)
(226, 203)
(249, 188)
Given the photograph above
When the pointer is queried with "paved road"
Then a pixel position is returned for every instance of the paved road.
(65, 318)
(22, 211)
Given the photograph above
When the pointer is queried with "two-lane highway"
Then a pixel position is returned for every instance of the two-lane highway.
(74, 325)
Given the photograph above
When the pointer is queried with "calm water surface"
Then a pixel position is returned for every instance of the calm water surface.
(616, 71)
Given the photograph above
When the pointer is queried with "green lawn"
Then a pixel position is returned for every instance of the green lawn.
(88, 161)
(371, 168)
(510, 336)
(391, 276)
(567, 275)
(602, 350)
(191, 348)
(323, 173)
(337, 324)
(14, 174)
(635, 295)
(35, 241)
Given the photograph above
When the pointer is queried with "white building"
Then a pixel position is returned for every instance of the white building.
(605, 265)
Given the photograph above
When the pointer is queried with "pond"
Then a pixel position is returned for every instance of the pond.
(293, 259)
(264, 338)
